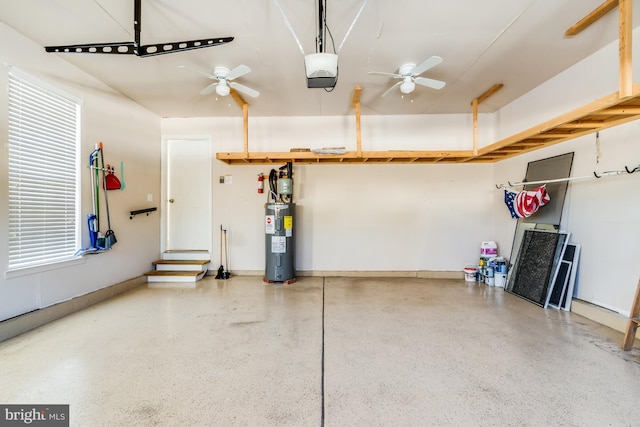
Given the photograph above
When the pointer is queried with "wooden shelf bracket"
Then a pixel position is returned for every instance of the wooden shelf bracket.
(634, 322)
(474, 104)
(356, 103)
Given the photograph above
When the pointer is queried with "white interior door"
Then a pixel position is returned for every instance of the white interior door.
(188, 197)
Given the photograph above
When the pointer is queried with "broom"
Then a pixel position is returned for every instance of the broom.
(226, 274)
(220, 274)
(109, 236)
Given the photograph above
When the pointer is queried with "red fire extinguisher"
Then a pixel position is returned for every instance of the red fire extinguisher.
(260, 183)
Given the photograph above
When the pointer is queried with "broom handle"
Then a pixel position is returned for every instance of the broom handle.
(97, 193)
(104, 187)
(226, 250)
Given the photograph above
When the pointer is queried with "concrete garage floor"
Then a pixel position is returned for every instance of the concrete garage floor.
(386, 352)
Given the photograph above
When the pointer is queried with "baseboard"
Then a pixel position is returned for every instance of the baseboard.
(20, 324)
(600, 315)
(422, 274)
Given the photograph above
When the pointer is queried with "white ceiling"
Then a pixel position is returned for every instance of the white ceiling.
(519, 43)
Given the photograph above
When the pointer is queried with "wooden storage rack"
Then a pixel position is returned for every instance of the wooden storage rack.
(606, 112)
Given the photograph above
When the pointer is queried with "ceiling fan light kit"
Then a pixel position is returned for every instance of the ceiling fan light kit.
(222, 89)
(407, 85)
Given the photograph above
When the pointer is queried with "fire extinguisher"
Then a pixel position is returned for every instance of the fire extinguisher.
(260, 183)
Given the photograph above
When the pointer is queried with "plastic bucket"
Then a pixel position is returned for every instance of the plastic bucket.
(500, 280)
(488, 249)
(470, 273)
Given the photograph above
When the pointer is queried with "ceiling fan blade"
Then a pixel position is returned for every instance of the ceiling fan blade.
(202, 73)
(240, 70)
(429, 63)
(209, 89)
(246, 90)
(390, 89)
(394, 75)
(434, 84)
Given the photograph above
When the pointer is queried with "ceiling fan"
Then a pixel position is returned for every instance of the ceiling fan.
(409, 74)
(224, 81)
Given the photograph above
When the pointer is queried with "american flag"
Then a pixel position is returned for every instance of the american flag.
(523, 204)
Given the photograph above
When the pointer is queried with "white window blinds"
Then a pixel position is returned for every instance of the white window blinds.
(44, 129)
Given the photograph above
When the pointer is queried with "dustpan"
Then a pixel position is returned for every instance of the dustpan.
(111, 181)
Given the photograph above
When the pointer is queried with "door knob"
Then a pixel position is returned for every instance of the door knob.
(170, 200)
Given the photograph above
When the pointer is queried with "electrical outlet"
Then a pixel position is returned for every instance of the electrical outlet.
(149, 197)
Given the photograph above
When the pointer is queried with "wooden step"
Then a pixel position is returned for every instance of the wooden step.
(186, 265)
(174, 275)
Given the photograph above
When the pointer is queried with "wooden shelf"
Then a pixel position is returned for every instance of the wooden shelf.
(606, 112)
(349, 157)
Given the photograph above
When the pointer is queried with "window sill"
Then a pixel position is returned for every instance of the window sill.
(19, 272)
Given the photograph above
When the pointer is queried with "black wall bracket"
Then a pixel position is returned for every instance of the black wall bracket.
(141, 211)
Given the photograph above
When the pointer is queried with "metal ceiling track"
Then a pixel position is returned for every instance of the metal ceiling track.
(134, 47)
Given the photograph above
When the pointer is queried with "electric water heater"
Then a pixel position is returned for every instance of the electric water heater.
(280, 242)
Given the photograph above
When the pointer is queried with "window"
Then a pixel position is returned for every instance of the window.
(44, 133)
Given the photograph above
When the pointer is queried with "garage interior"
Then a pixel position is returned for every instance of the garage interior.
(397, 181)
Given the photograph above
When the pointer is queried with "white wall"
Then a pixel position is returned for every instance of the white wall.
(366, 217)
(601, 214)
(130, 134)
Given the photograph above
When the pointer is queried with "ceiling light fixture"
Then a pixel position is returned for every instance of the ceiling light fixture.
(407, 85)
(222, 89)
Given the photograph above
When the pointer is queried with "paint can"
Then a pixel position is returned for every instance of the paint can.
(470, 273)
(501, 265)
(500, 280)
(489, 279)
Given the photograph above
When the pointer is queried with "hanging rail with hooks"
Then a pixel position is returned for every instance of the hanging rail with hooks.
(573, 178)
(142, 211)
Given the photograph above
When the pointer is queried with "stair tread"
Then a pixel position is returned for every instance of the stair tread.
(181, 262)
(173, 273)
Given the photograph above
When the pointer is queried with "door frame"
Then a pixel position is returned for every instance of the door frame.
(164, 186)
